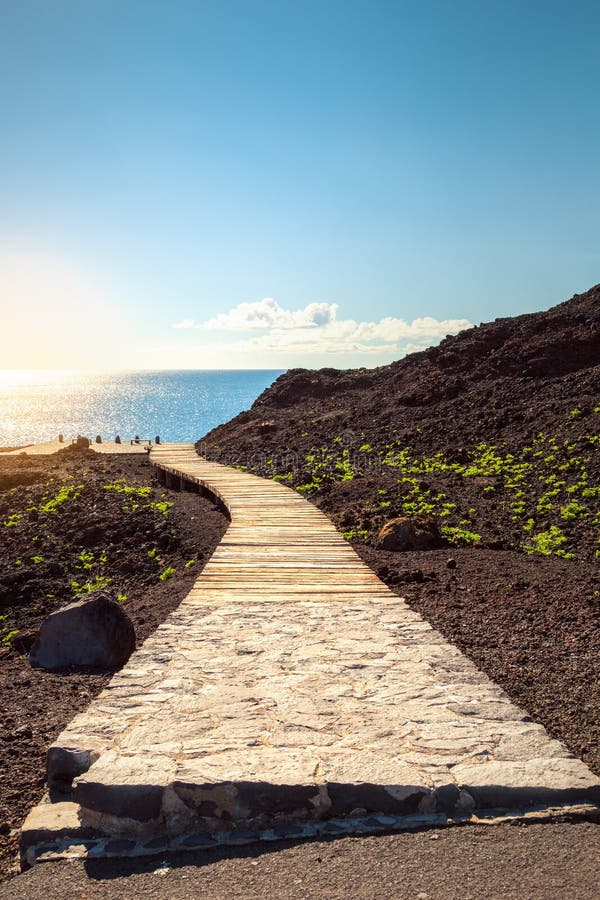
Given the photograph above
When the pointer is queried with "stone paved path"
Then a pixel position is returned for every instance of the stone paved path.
(290, 693)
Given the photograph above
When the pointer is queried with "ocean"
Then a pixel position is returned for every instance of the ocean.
(36, 406)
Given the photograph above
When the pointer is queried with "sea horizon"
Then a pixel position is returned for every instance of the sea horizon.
(36, 405)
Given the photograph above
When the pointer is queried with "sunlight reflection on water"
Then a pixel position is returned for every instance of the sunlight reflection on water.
(179, 405)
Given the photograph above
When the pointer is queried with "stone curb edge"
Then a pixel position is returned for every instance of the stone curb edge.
(47, 844)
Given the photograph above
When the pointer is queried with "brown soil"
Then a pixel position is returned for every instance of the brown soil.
(118, 535)
(517, 586)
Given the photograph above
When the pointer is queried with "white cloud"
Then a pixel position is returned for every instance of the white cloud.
(268, 314)
(316, 329)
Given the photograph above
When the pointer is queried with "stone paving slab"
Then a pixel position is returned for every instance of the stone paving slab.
(291, 688)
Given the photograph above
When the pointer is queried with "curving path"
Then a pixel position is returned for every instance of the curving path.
(291, 693)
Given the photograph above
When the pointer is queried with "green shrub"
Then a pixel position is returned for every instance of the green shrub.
(12, 520)
(98, 583)
(548, 543)
(573, 510)
(459, 535)
(65, 493)
(356, 533)
(168, 573)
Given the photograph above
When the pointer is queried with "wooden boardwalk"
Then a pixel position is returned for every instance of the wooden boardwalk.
(277, 543)
(290, 694)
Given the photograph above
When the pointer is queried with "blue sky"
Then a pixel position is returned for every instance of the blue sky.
(359, 165)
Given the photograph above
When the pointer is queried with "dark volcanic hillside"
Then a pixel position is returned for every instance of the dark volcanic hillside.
(495, 382)
(496, 434)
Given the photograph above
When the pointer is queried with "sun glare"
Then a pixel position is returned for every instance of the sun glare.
(55, 314)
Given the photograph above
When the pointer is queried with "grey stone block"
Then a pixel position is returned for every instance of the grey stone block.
(90, 633)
